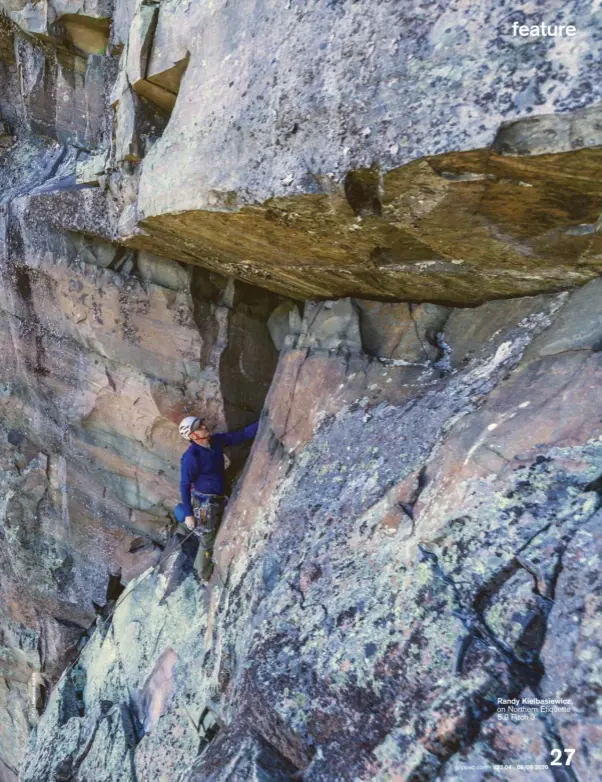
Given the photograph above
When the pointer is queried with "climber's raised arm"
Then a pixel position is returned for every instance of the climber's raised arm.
(240, 436)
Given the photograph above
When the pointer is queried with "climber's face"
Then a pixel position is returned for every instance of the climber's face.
(200, 435)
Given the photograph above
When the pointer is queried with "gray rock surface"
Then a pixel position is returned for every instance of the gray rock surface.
(348, 85)
(103, 349)
(305, 177)
(407, 545)
(384, 151)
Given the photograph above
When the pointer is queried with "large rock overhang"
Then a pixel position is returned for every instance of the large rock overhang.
(517, 218)
(394, 151)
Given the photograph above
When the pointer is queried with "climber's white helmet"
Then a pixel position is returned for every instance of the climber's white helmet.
(188, 425)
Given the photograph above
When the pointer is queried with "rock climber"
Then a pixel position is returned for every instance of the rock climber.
(202, 484)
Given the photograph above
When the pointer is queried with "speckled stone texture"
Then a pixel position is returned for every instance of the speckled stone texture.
(394, 151)
(412, 539)
(299, 91)
(290, 153)
(103, 350)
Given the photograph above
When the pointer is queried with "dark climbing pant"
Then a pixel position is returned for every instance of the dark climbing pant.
(208, 510)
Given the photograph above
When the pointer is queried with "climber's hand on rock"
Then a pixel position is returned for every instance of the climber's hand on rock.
(189, 521)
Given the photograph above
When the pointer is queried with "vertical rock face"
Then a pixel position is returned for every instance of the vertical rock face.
(97, 368)
(99, 364)
(104, 348)
(410, 542)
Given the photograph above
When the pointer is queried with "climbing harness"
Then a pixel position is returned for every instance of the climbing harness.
(207, 513)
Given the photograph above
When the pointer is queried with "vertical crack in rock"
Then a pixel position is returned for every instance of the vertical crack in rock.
(418, 335)
(524, 663)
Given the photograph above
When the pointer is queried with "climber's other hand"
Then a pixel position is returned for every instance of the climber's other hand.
(189, 521)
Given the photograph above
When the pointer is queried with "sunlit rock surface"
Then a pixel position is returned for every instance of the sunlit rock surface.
(386, 151)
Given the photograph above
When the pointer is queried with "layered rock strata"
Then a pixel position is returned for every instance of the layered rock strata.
(97, 368)
(103, 350)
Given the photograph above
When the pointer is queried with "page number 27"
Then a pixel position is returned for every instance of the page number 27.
(557, 757)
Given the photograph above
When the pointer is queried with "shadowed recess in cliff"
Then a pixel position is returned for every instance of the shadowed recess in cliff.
(236, 316)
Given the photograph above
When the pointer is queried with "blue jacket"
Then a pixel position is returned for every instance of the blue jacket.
(203, 468)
